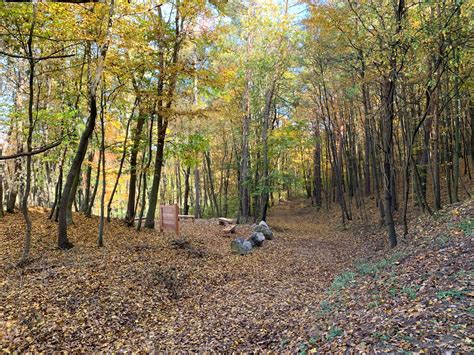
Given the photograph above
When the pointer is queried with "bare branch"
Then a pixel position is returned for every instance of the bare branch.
(32, 152)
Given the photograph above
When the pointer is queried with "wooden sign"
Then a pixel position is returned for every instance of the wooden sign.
(169, 218)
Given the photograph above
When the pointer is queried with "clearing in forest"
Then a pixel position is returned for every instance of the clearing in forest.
(148, 291)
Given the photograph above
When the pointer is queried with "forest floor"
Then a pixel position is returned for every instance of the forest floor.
(149, 291)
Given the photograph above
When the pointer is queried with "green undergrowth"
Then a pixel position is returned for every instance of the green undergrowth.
(386, 281)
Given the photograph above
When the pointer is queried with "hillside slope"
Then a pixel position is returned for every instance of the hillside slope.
(417, 297)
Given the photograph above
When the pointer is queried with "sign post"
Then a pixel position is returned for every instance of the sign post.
(169, 218)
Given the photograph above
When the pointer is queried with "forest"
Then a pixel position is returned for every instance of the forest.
(347, 126)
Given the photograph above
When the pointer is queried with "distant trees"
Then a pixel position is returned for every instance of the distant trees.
(228, 109)
(393, 78)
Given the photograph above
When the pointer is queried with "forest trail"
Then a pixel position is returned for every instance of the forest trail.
(149, 291)
(270, 296)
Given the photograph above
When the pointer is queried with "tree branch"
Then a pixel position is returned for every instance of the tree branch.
(36, 59)
(32, 152)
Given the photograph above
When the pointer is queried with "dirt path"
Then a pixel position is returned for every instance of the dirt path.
(143, 292)
(267, 299)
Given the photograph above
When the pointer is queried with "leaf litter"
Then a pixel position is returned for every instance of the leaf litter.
(153, 292)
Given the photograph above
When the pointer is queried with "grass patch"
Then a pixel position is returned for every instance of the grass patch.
(373, 304)
(325, 307)
(442, 240)
(334, 332)
(393, 291)
(342, 281)
(467, 226)
(381, 336)
(302, 349)
(368, 268)
(410, 292)
(455, 294)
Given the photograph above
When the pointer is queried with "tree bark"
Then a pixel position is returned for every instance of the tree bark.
(137, 136)
(266, 119)
(317, 181)
(100, 237)
(87, 193)
(63, 241)
(197, 194)
(187, 172)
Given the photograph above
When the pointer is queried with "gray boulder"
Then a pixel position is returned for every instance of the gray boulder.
(263, 223)
(257, 238)
(241, 246)
(264, 230)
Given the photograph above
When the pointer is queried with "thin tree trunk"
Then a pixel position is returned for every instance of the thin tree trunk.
(122, 160)
(163, 118)
(317, 180)
(96, 187)
(100, 237)
(212, 191)
(150, 217)
(197, 194)
(187, 172)
(137, 136)
(266, 119)
(26, 192)
(145, 175)
(87, 193)
(63, 241)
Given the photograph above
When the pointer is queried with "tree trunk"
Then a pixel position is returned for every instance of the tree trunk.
(212, 191)
(96, 187)
(317, 181)
(150, 217)
(13, 190)
(137, 136)
(187, 172)
(63, 241)
(266, 119)
(162, 119)
(197, 194)
(72, 198)
(122, 160)
(26, 192)
(145, 176)
(100, 238)
(87, 193)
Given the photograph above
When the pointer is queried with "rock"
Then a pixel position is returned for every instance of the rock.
(263, 223)
(240, 246)
(252, 242)
(264, 230)
(257, 238)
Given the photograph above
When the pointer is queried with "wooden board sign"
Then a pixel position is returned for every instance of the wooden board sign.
(169, 218)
